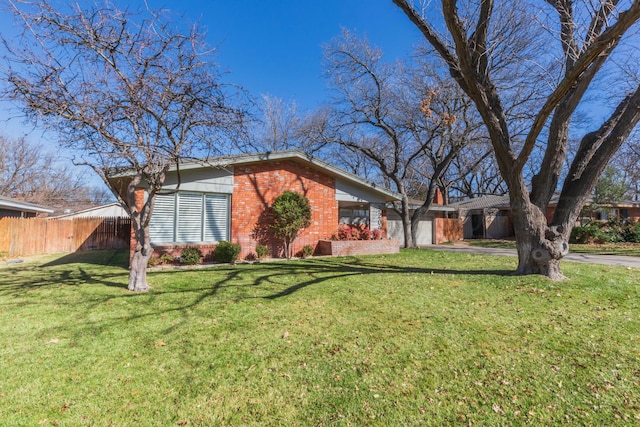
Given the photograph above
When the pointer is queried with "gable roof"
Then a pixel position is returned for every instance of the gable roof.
(17, 205)
(223, 162)
(490, 201)
(109, 210)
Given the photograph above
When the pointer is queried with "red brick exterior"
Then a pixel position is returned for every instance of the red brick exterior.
(139, 199)
(255, 188)
(358, 247)
(448, 230)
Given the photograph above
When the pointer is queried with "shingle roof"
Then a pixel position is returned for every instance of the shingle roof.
(489, 201)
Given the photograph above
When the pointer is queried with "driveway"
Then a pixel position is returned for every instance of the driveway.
(625, 261)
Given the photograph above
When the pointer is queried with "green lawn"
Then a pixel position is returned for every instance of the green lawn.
(622, 249)
(419, 338)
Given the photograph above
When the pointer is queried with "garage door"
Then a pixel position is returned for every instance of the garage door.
(425, 230)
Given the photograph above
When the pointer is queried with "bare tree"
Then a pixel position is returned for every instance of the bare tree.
(381, 112)
(29, 173)
(480, 37)
(131, 91)
(475, 174)
(277, 129)
(627, 162)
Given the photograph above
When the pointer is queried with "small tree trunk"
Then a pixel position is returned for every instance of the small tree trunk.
(406, 223)
(138, 267)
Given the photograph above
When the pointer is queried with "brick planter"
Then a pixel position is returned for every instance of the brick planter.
(358, 247)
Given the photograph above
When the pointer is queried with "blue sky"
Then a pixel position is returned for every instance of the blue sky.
(268, 47)
(274, 46)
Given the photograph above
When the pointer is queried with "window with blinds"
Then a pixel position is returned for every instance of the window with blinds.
(190, 218)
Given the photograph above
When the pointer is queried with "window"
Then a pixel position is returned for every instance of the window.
(190, 218)
(354, 216)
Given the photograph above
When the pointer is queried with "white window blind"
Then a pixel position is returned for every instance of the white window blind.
(162, 225)
(190, 218)
(216, 224)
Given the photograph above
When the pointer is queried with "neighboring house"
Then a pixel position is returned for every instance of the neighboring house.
(485, 217)
(228, 199)
(15, 208)
(110, 210)
(431, 228)
(489, 217)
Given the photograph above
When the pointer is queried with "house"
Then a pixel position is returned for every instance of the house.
(110, 210)
(15, 208)
(433, 227)
(228, 199)
(489, 217)
(486, 217)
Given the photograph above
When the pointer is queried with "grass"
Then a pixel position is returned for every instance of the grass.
(622, 249)
(419, 338)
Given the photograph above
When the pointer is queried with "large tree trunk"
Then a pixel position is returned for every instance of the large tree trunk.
(540, 247)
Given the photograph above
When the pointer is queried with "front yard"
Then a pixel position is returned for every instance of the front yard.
(418, 338)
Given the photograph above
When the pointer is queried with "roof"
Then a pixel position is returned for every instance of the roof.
(490, 201)
(17, 205)
(326, 167)
(434, 207)
(109, 210)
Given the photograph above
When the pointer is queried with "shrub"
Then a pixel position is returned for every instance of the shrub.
(161, 260)
(356, 232)
(191, 255)
(632, 232)
(262, 251)
(307, 251)
(227, 252)
(291, 213)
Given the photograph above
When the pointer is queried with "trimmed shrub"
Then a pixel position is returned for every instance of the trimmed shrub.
(227, 252)
(262, 251)
(307, 251)
(191, 255)
(291, 213)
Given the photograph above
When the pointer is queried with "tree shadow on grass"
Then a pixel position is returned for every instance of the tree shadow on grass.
(313, 272)
(268, 281)
(76, 269)
(107, 257)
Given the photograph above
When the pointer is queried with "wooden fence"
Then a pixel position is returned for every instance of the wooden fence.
(448, 230)
(34, 236)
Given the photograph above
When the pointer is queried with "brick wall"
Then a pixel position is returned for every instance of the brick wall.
(358, 247)
(255, 188)
(448, 230)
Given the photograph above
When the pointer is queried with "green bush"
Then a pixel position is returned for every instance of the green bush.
(191, 255)
(161, 260)
(262, 251)
(632, 232)
(291, 213)
(612, 231)
(227, 252)
(585, 233)
(307, 251)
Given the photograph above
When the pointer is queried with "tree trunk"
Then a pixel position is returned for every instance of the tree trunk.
(540, 247)
(409, 242)
(141, 254)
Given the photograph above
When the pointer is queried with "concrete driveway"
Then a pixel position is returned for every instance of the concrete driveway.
(625, 261)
